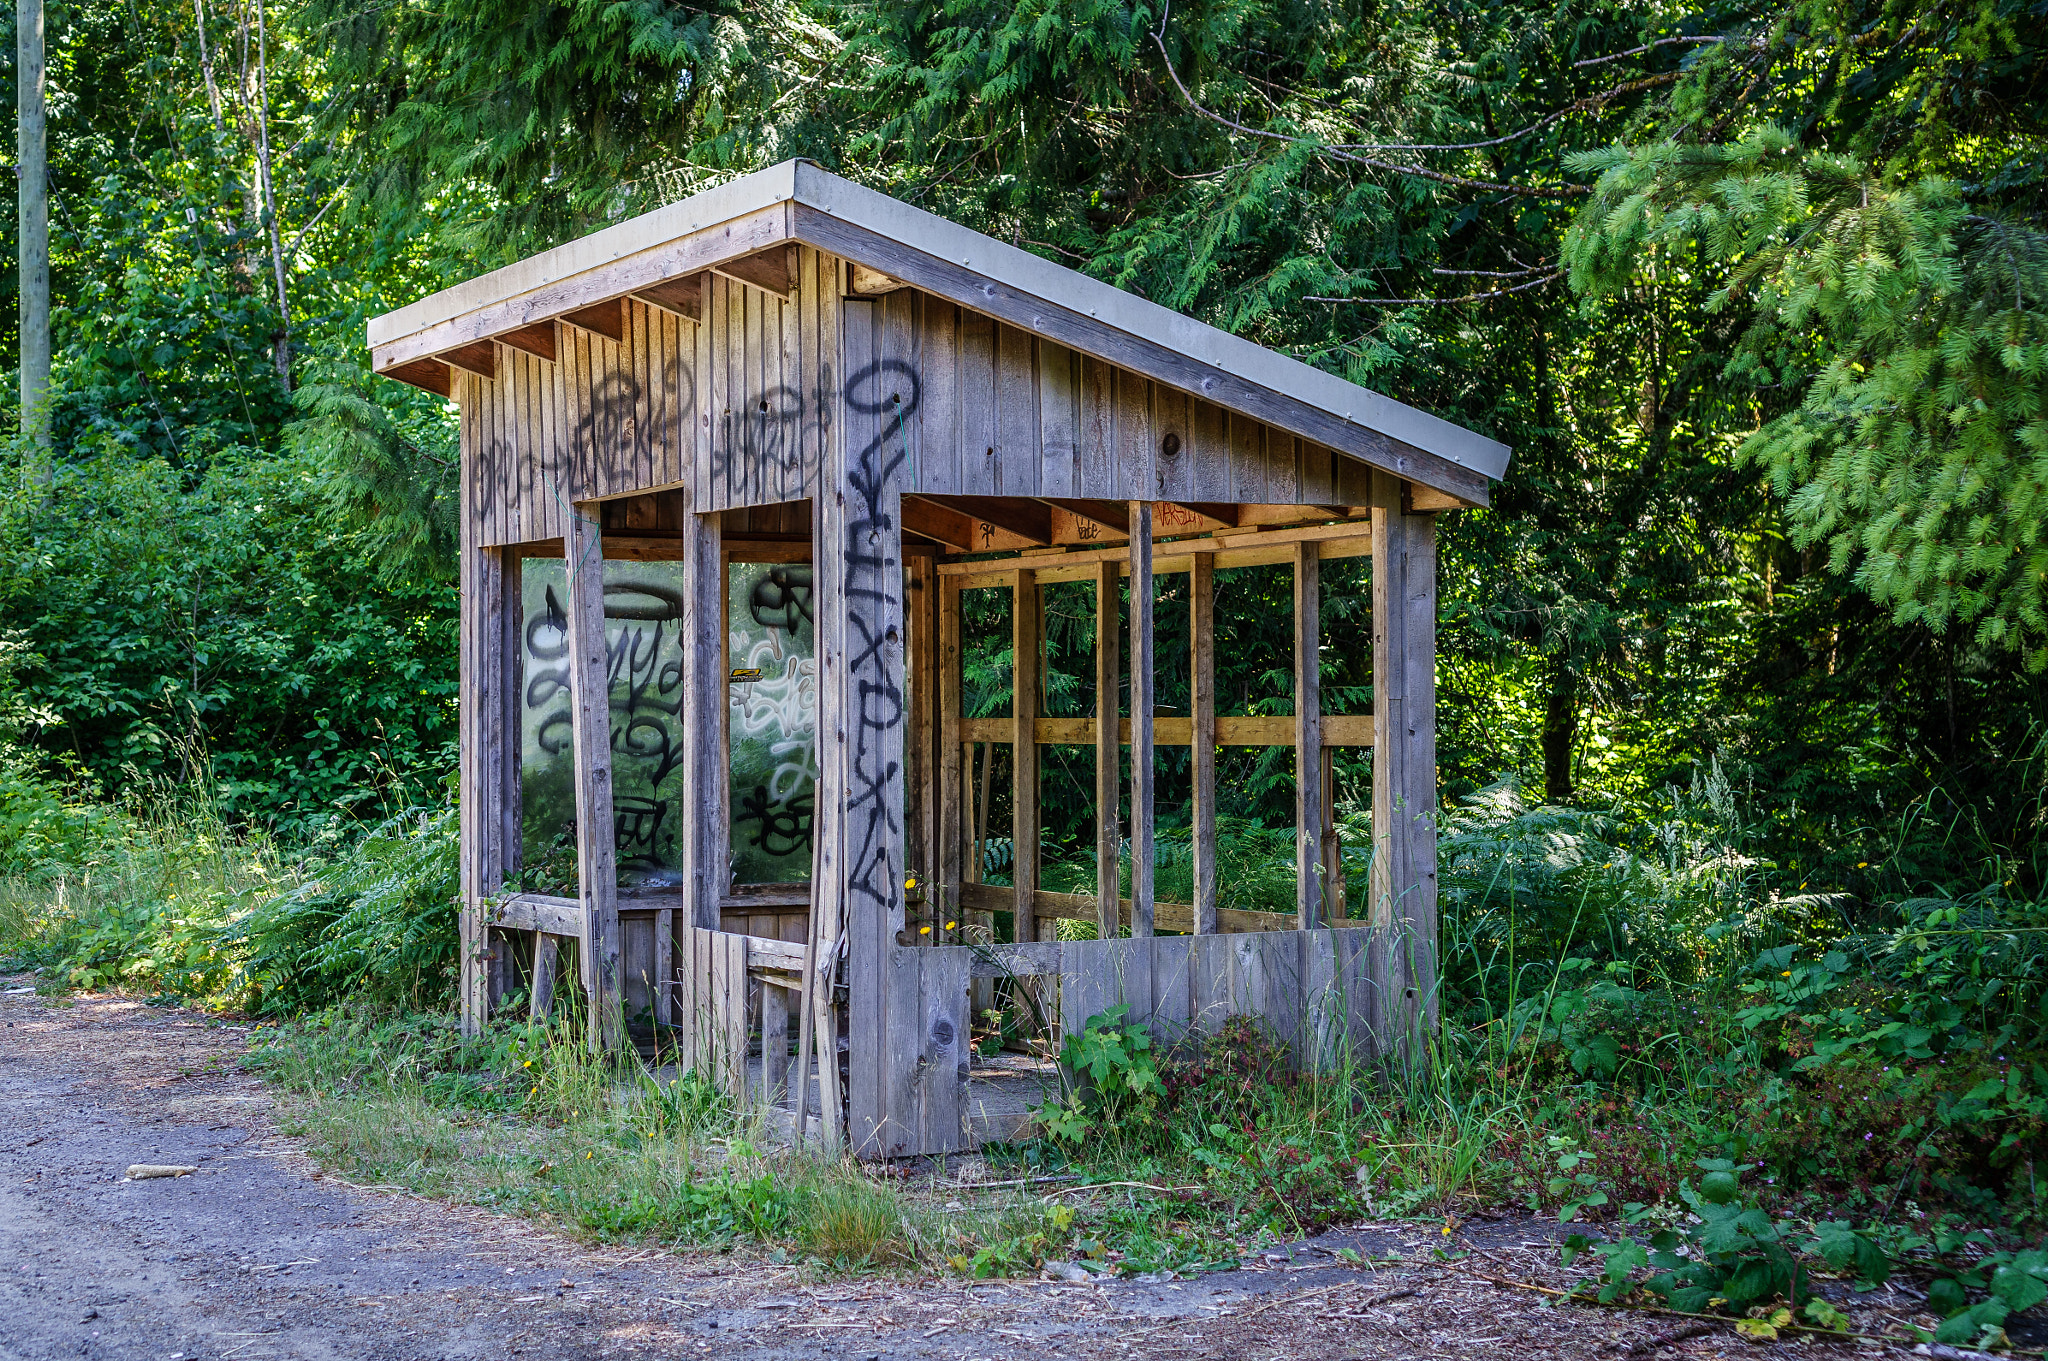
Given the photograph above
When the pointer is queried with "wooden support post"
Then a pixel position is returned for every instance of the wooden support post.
(546, 959)
(1334, 902)
(664, 965)
(706, 844)
(920, 813)
(597, 872)
(1108, 749)
(953, 816)
(774, 1043)
(1308, 737)
(1202, 696)
(1404, 794)
(1141, 720)
(1027, 648)
(489, 774)
(857, 566)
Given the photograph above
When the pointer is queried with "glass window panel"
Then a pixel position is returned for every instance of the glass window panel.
(772, 723)
(643, 607)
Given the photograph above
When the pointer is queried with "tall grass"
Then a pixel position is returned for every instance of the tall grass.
(168, 896)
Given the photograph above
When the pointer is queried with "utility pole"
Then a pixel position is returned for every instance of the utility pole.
(32, 171)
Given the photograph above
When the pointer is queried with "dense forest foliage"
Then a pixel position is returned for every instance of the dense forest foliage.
(1747, 656)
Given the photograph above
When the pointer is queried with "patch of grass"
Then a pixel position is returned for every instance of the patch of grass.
(525, 1119)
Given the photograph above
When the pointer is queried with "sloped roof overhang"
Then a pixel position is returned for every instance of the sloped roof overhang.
(798, 201)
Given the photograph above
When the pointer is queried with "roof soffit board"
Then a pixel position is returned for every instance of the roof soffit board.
(638, 236)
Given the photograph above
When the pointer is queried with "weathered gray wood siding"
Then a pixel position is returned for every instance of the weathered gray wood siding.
(738, 408)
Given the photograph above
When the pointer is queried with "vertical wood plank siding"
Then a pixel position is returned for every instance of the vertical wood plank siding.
(739, 407)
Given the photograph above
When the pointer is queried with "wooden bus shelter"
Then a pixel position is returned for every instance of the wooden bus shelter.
(728, 469)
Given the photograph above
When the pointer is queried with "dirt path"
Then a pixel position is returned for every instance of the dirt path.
(258, 1255)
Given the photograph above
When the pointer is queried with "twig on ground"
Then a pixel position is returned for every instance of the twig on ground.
(1650, 1344)
(1105, 1185)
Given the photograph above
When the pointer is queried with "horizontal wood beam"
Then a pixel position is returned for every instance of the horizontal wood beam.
(869, 283)
(1241, 730)
(1114, 515)
(1028, 520)
(1350, 540)
(636, 548)
(1421, 498)
(943, 524)
(537, 912)
(1080, 907)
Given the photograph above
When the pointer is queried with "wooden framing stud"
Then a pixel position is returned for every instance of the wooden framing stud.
(1308, 737)
(1108, 748)
(1141, 720)
(597, 871)
(1202, 737)
(1027, 655)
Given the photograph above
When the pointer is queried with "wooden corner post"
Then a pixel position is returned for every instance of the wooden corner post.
(597, 873)
(1404, 793)
(488, 728)
(862, 714)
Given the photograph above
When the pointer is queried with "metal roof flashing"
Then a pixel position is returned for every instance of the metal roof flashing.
(807, 183)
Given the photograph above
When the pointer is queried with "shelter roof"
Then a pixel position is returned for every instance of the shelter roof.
(897, 245)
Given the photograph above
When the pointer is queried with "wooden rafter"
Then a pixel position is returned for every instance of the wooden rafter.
(430, 374)
(771, 270)
(605, 318)
(1109, 514)
(683, 296)
(1028, 520)
(942, 524)
(537, 340)
(479, 357)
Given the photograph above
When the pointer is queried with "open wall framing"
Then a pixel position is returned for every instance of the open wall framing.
(792, 370)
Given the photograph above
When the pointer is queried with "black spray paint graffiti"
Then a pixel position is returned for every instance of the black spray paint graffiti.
(609, 445)
(779, 602)
(764, 431)
(889, 390)
(645, 682)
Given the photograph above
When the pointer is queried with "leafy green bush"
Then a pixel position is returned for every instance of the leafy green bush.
(376, 923)
(1113, 1079)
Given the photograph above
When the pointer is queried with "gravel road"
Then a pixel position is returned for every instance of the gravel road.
(259, 1255)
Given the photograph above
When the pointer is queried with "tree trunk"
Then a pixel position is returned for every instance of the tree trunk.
(32, 170)
(1560, 733)
(282, 341)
